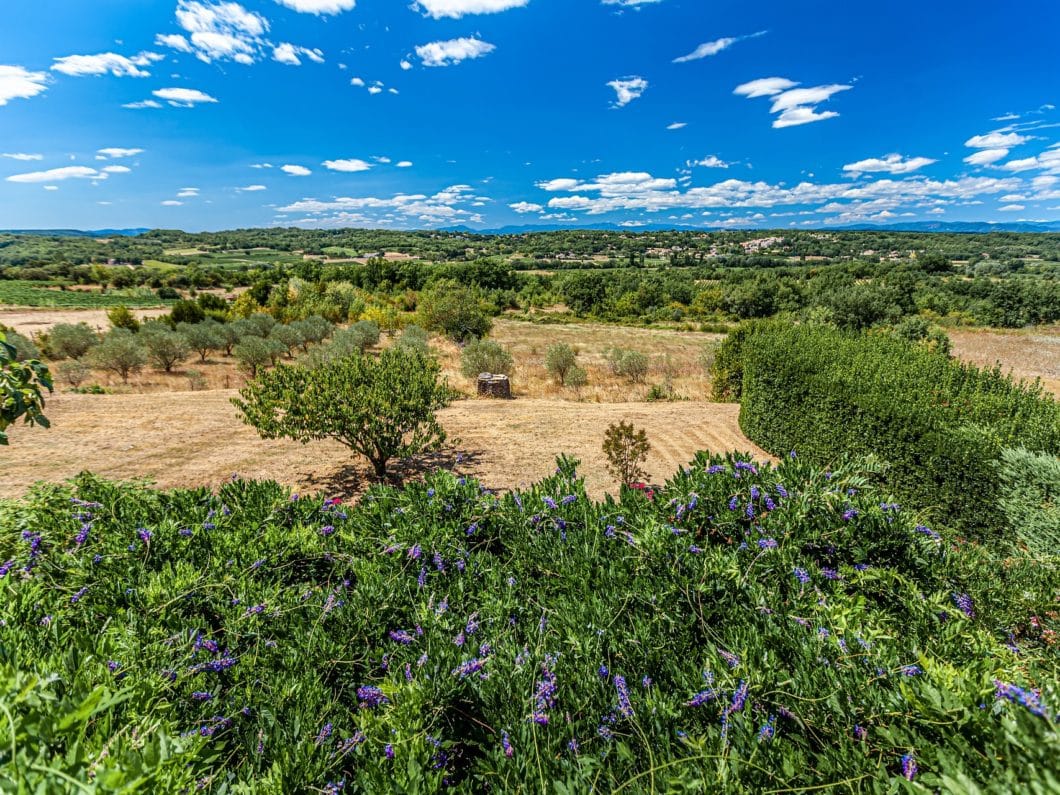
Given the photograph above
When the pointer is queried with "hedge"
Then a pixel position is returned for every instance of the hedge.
(938, 425)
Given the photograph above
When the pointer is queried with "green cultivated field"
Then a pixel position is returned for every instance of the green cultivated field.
(34, 294)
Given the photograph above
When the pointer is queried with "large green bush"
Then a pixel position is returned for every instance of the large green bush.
(939, 425)
(747, 630)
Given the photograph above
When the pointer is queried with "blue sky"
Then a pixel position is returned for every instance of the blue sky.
(199, 114)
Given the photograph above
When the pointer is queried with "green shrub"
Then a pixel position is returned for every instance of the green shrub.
(733, 633)
(626, 450)
(452, 309)
(1030, 498)
(121, 352)
(204, 337)
(576, 377)
(938, 424)
(165, 348)
(121, 318)
(288, 336)
(70, 340)
(560, 359)
(73, 372)
(414, 338)
(187, 312)
(485, 356)
(25, 350)
(254, 353)
(632, 365)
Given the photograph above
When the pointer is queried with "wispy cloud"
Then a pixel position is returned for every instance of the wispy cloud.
(453, 51)
(350, 166)
(891, 164)
(454, 9)
(21, 156)
(296, 171)
(223, 31)
(714, 47)
(677, 125)
(628, 89)
(319, 6)
(183, 97)
(792, 106)
(106, 63)
(292, 55)
(17, 82)
(116, 153)
(58, 174)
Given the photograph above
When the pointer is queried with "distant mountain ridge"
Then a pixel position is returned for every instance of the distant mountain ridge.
(76, 232)
(951, 227)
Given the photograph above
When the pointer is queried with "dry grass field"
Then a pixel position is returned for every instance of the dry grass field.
(154, 427)
(197, 439)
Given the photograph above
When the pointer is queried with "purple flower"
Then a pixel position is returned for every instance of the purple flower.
(702, 698)
(506, 744)
(909, 768)
(964, 604)
(1031, 699)
(544, 696)
(324, 733)
(327, 530)
(730, 658)
(415, 552)
(767, 543)
(849, 513)
(927, 531)
(371, 697)
(200, 695)
(645, 682)
(421, 580)
(625, 707)
(602, 671)
(472, 666)
(6, 567)
(910, 670)
(82, 534)
(401, 636)
(801, 575)
(733, 504)
(388, 751)
(569, 499)
(831, 574)
(549, 503)
(460, 639)
(768, 730)
(739, 697)
(77, 596)
(860, 733)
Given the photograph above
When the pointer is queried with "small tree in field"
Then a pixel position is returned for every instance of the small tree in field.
(121, 353)
(254, 353)
(70, 341)
(382, 408)
(203, 337)
(121, 317)
(626, 449)
(165, 348)
(560, 359)
(485, 356)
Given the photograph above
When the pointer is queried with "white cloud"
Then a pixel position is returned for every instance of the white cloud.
(174, 41)
(1011, 208)
(454, 9)
(1048, 161)
(527, 207)
(319, 6)
(222, 31)
(289, 54)
(416, 210)
(891, 164)
(116, 169)
(17, 82)
(713, 161)
(765, 87)
(252, 189)
(357, 81)
(183, 97)
(51, 187)
(628, 89)
(147, 103)
(677, 125)
(403, 164)
(54, 174)
(453, 51)
(375, 90)
(714, 47)
(405, 65)
(21, 156)
(296, 171)
(795, 105)
(633, 3)
(985, 157)
(116, 153)
(172, 203)
(347, 166)
(261, 165)
(106, 63)
(188, 193)
(996, 140)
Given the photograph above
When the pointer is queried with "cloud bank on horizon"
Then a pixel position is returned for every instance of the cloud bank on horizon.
(484, 113)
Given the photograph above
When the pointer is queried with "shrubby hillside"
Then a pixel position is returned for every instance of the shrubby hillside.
(743, 628)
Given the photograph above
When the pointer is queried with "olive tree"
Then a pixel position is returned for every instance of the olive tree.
(22, 386)
(254, 353)
(382, 408)
(165, 348)
(121, 353)
(203, 337)
(71, 340)
(485, 356)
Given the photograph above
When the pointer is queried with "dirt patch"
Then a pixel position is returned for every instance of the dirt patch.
(1025, 354)
(196, 439)
(32, 321)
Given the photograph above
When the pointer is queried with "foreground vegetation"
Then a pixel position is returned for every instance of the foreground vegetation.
(740, 629)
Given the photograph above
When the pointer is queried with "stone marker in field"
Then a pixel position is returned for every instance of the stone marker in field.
(496, 386)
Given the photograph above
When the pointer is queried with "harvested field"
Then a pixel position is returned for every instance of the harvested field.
(1026, 354)
(28, 321)
(197, 439)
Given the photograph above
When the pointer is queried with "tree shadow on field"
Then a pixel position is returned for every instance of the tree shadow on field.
(355, 477)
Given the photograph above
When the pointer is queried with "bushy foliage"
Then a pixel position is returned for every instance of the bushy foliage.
(560, 359)
(748, 629)
(940, 425)
(25, 349)
(70, 340)
(187, 312)
(414, 338)
(121, 318)
(381, 408)
(452, 309)
(1030, 498)
(22, 386)
(73, 372)
(204, 337)
(629, 364)
(485, 356)
(165, 348)
(120, 352)
(254, 352)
